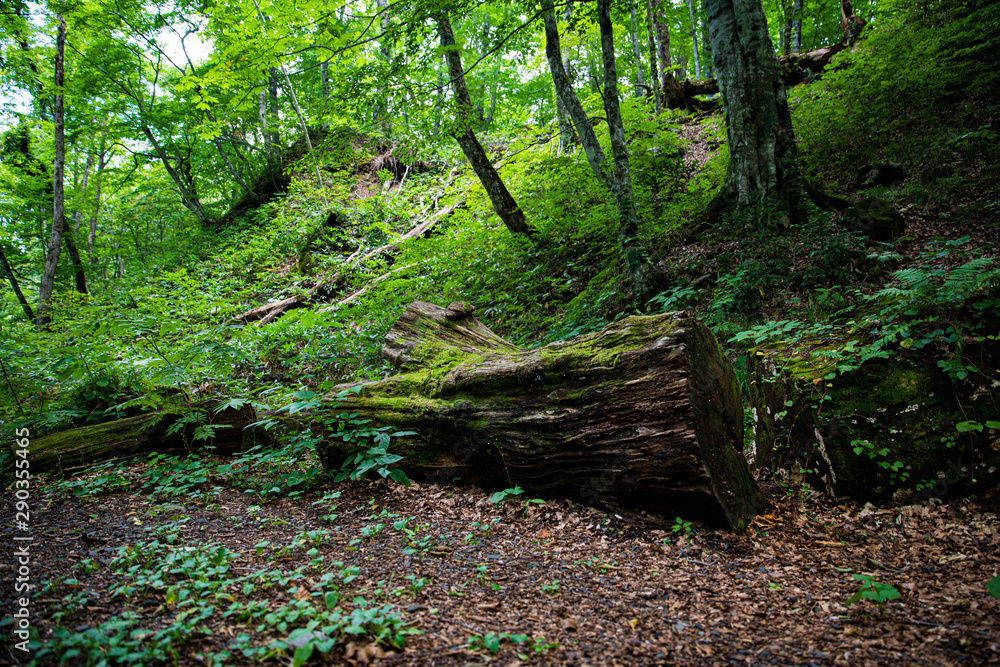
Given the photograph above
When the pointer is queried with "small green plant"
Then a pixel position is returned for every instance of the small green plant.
(501, 496)
(681, 526)
(993, 587)
(491, 641)
(552, 588)
(873, 590)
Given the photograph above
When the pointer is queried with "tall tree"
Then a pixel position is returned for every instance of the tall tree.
(640, 81)
(654, 72)
(694, 39)
(762, 154)
(564, 89)
(47, 283)
(12, 279)
(503, 202)
(644, 274)
(673, 96)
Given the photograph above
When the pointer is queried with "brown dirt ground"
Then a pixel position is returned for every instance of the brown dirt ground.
(619, 589)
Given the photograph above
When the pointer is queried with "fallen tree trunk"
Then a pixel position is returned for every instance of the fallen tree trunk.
(889, 428)
(645, 413)
(796, 68)
(144, 433)
(268, 312)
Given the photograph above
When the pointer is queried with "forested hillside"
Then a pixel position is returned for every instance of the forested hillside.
(588, 332)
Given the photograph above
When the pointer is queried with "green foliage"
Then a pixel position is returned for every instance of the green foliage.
(993, 587)
(681, 526)
(916, 60)
(873, 590)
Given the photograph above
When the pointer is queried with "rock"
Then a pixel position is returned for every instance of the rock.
(886, 174)
(875, 218)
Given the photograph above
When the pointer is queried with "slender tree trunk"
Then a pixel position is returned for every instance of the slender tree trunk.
(564, 89)
(383, 107)
(786, 27)
(640, 81)
(763, 159)
(69, 235)
(92, 234)
(707, 71)
(9, 272)
(673, 96)
(188, 194)
(47, 283)
(639, 267)
(694, 40)
(324, 80)
(273, 119)
(797, 26)
(654, 72)
(503, 202)
(850, 23)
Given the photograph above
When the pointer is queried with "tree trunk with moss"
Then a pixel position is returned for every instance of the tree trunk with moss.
(644, 414)
(762, 152)
(148, 432)
(887, 428)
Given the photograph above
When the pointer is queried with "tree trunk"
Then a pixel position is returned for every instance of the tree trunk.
(503, 202)
(647, 279)
(654, 71)
(673, 97)
(47, 283)
(181, 179)
(797, 26)
(143, 433)
(891, 410)
(644, 414)
(9, 272)
(763, 160)
(850, 23)
(786, 27)
(70, 234)
(694, 39)
(564, 89)
(640, 81)
(383, 109)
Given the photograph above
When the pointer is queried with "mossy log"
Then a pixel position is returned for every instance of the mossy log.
(143, 433)
(885, 429)
(644, 414)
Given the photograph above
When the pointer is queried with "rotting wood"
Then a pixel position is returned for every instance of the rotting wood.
(268, 312)
(645, 413)
(144, 433)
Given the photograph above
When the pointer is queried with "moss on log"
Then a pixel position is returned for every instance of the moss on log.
(143, 433)
(885, 429)
(645, 413)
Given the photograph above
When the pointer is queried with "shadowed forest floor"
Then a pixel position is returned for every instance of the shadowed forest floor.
(519, 582)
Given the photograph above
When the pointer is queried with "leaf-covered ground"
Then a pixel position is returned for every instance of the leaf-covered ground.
(553, 583)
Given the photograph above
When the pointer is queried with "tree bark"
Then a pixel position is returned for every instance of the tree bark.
(47, 283)
(644, 414)
(9, 272)
(181, 179)
(503, 202)
(763, 158)
(564, 89)
(70, 234)
(797, 26)
(850, 23)
(694, 40)
(642, 271)
(640, 81)
(654, 70)
(143, 433)
(673, 96)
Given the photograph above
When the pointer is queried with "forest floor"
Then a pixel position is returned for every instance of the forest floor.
(521, 582)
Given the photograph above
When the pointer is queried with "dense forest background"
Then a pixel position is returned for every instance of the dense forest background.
(214, 207)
